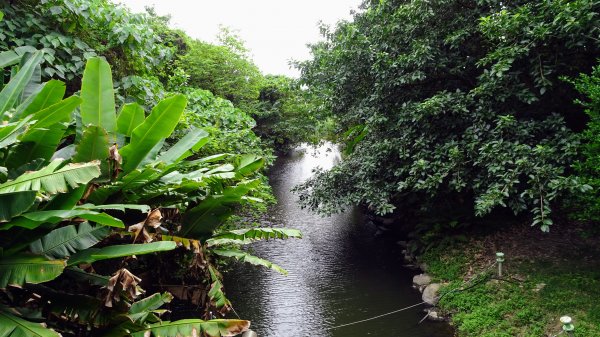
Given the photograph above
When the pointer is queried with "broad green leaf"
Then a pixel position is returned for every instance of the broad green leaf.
(140, 310)
(52, 179)
(194, 139)
(64, 201)
(119, 207)
(51, 93)
(131, 116)
(247, 258)
(158, 126)
(36, 145)
(64, 241)
(248, 164)
(34, 84)
(92, 278)
(56, 113)
(195, 327)
(15, 203)
(9, 58)
(33, 220)
(249, 235)
(13, 326)
(12, 91)
(9, 133)
(93, 145)
(202, 220)
(20, 269)
(96, 254)
(98, 106)
(216, 293)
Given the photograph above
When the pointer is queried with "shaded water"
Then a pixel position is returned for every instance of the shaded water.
(340, 272)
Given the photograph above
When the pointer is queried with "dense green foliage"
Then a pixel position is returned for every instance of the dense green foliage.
(101, 173)
(588, 206)
(452, 103)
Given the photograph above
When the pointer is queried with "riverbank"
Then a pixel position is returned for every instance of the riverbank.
(546, 276)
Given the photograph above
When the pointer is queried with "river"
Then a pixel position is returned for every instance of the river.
(340, 272)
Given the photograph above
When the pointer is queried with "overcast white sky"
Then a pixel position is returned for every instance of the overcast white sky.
(274, 30)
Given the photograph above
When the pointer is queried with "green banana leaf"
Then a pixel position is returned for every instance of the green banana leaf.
(24, 268)
(15, 203)
(249, 235)
(33, 220)
(52, 179)
(247, 258)
(185, 147)
(51, 93)
(13, 326)
(9, 133)
(98, 107)
(248, 164)
(12, 91)
(64, 241)
(130, 117)
(202, 220)
(141, 309)
(158, 126)
(93, 145)
(96, 254)
(195, 327)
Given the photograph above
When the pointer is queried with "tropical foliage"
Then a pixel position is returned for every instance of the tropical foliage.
(85, 179)
(454, 106)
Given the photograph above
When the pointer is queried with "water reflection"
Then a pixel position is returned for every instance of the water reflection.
(339, 272)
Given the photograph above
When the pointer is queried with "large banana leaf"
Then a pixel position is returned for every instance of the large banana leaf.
(9, 58)
(202, 220)
(52, 179)
(20, 269)
(12, 91)
(98, 107)
(15, 203)
(193, 141)
(130, 117)
(96, 254)
(158, 126)
(56, 113)
(81, 275)
(249, 235)
(13, 326)
(93, 145)
(43, 137)
(33, 220)
(195, 327)
(64, 241)
(140, 310)
(216, 293)
(9, 133)
(36, 144)
(51, 93)
(248, 164)
(245, 257)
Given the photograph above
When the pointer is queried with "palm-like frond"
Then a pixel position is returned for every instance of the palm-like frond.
(248, 258)
(195, 327)
(249, 235)
(64, 241)
(52, 179)
(13, 326)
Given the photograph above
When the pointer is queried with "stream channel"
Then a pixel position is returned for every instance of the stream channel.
(341, 271)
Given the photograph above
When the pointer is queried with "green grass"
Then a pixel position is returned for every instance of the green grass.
(500, 308)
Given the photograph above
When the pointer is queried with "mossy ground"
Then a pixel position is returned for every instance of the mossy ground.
(546, 276)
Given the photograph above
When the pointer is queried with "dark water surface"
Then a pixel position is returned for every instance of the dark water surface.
(340, 272)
